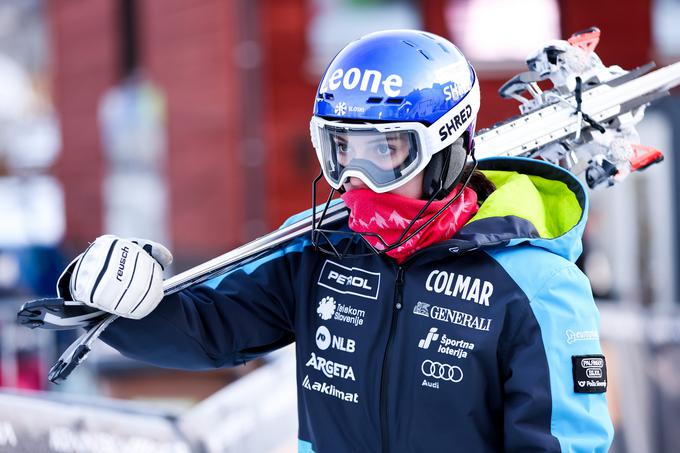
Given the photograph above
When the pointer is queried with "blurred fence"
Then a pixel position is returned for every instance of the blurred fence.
(255, 414)
(643, 363)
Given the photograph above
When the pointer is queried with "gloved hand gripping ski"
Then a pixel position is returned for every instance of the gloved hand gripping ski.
(119, 276)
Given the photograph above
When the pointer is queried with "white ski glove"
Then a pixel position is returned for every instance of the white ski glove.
(119, 276)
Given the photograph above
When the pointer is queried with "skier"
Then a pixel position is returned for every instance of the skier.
(446, 313)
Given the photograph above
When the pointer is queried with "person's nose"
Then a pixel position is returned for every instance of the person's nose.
(355, 183)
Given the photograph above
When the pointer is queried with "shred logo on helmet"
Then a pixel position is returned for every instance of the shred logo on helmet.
(455, 123)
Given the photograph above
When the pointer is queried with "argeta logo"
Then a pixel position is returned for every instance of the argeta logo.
(432, 335)
(330, 368)
(326, 308)
(323, 338)
(349, 280)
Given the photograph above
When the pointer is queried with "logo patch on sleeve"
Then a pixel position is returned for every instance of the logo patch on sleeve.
(590, 373)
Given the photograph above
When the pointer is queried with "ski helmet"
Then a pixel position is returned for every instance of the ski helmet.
(412, 97)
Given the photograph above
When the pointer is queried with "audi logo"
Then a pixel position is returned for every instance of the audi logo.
(442, 371)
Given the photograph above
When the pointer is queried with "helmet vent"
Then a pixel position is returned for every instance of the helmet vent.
(409, 43)
(374, 100)
(424, 54)
(443, 47)
(328, 96)
(395, 101)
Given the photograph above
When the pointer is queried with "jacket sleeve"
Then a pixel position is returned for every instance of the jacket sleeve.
(542, 410)
(230, 320)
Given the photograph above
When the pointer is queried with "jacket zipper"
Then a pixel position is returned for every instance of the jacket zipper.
(398, 297)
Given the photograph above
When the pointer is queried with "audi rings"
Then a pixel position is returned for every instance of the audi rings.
(442, 371)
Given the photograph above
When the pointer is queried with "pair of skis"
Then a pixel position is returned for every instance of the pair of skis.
(585, 123)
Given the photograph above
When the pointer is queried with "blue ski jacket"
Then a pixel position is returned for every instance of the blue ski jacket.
(482, 343)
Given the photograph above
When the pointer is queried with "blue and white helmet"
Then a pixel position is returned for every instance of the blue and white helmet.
(389, 104)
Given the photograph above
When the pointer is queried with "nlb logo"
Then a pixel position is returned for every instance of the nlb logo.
(349, 280)
(325, 340)
(366, 80)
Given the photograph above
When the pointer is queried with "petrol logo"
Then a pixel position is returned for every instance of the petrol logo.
(349, 280)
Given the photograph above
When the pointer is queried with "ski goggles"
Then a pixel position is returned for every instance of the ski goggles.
(383, 156)
(387, 155)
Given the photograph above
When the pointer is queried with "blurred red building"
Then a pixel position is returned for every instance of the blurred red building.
(238, 93)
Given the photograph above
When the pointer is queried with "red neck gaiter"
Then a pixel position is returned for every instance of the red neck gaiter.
(388, 214)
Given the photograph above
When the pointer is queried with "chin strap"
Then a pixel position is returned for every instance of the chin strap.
(327, 239)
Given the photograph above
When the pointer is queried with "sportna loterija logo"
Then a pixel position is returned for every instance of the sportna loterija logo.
(326, 308)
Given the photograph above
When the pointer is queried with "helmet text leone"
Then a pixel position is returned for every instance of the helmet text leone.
(366, 80)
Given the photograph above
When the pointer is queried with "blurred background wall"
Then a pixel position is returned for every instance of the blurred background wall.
(186, 121)
(236, 81)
